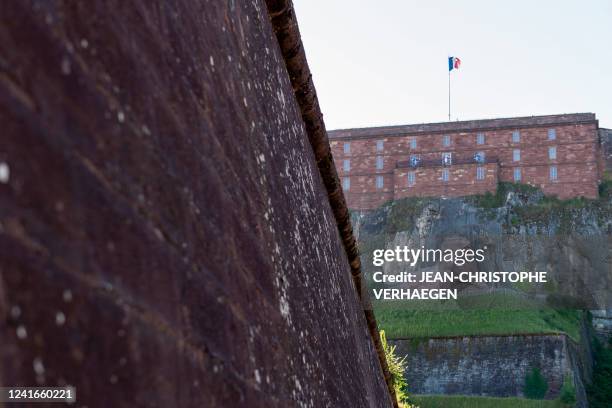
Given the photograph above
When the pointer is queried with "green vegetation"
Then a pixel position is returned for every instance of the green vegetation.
(447, 401)
(568, 393)
(428, 323)
(403, 213)
(535, 208)
(397, 366)
(600, 391)
(536, 385)
(605, 187)
(498, 199)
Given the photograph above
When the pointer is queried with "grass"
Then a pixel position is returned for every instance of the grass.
(497, 199)
(428, 323)
(460, 401)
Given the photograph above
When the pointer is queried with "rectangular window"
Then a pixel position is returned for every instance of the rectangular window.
(413, 143)
(516, 155)
(480, 138)
(553, 172)
(482, 156)
(379, 181)
(516, 136)
(552, 134)
(517, 174)
(346, 165)
(379, 145)
(552, 153)
(446, 140)
(411, 178)
(346, 183)
(480, 173)
(444, 174)
(379, 162)
(447, 159)
(347, 147)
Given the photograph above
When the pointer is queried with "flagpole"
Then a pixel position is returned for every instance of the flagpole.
(449, 101)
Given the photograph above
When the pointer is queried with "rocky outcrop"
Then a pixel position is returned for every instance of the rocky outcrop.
(523, 231)
(165, 236)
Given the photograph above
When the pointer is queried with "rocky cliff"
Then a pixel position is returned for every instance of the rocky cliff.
(522, 230)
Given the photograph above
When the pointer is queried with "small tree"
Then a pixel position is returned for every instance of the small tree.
(535, 384)
(568, 392)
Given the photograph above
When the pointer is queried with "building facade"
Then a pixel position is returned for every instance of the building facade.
(561, 154)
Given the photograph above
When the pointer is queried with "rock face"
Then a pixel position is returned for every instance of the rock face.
(523, 231)
(165, 238)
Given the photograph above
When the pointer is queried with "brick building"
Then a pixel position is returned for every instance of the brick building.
(561, 154)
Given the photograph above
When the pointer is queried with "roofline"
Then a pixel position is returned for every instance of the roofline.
(464, 126)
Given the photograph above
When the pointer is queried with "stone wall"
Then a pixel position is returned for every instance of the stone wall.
(606, 140)
(165, 237)
(491, 365)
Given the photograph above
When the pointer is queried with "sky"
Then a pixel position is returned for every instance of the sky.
(384, 62)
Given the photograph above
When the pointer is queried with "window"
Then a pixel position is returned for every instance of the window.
(480, 173)
(446, 140)
(346, 183)
(516, 155)
(379, 145)
(347, 147)
(447, 159)
(411, 178)
(516, 136)
(482, 156)
(552, 134)
(346, 165)
(552, 153)
(480, 138)
(553, 172)
(517, 174)
(379, 162)
(379, 181)
(444, 174)
(413, 143)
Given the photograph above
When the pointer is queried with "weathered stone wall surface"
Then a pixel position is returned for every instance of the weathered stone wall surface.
(490, 365)
(602, 324)
(165, 238)
(605, 136)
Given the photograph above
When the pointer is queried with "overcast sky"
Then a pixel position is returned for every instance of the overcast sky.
(384, 62)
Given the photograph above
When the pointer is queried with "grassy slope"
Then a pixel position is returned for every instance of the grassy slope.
(443, 401)
(420, 324)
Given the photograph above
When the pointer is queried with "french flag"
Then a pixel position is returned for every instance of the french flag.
(453, 63)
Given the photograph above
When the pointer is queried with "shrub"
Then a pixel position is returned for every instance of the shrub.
(535, 384)
(605, 189)
(568, 393)
(396, 367)
(600, 391)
